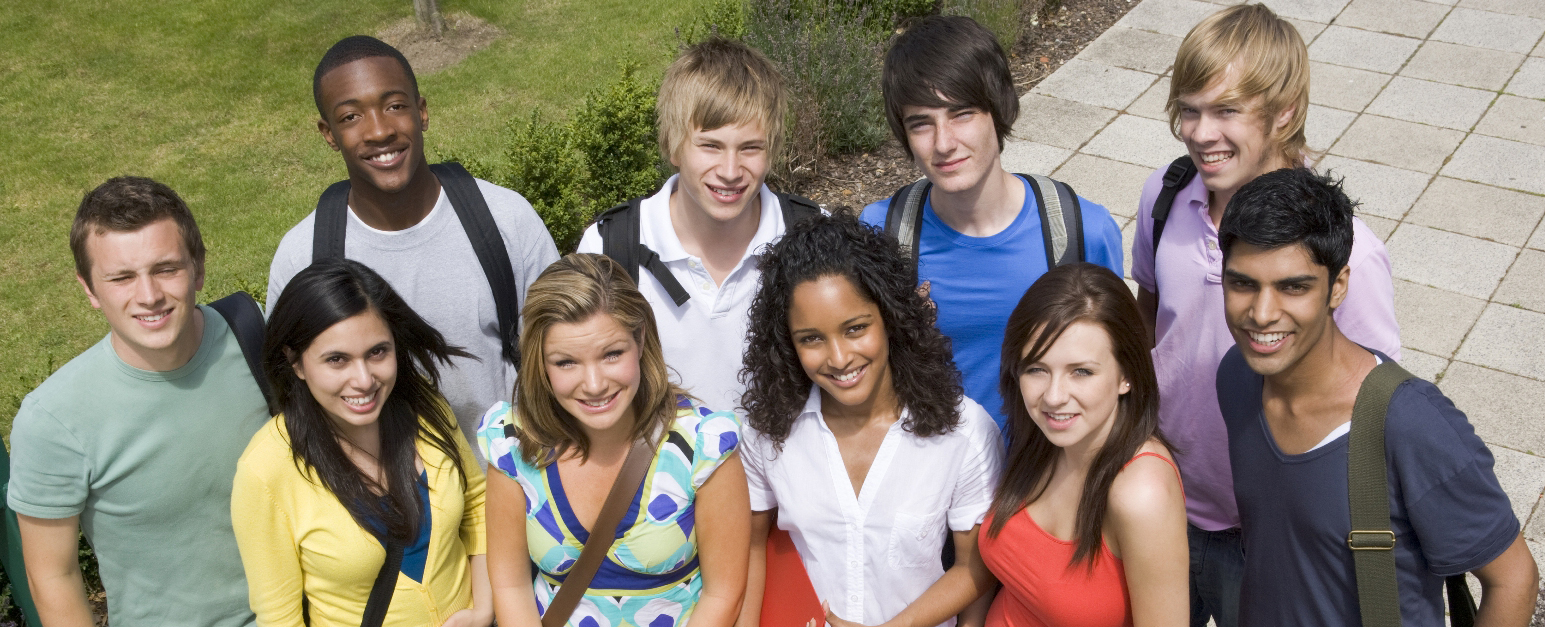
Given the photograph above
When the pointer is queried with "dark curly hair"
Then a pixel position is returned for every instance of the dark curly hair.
(921, 365)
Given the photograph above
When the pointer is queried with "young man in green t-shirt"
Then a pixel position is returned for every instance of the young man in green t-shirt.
(135, 440)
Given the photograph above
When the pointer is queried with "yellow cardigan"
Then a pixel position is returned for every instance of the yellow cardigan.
(296, 538)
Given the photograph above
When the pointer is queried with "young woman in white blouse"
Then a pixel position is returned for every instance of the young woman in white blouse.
(861, 443)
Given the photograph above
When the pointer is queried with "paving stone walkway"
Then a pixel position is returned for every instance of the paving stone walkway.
(1435, 114)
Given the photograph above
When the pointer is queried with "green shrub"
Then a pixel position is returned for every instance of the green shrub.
(725, 18)
(1005, 18)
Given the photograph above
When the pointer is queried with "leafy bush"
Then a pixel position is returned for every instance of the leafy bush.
(1005, 18)
(614, 131)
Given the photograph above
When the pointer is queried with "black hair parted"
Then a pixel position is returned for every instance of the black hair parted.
(922, 366)
(1292, 206)
(948, 61)
(320, 296)
(351, 49)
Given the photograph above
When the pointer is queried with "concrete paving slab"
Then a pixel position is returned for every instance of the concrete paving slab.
(1507, 338)
(1133, 49)
(1383, 190)
(1515, 118)
(1136, 140)
(1410, 18)
(1096, 84)
(1031, 157)
(1539, 50)
(1114, 184)
(1538, 241)
(1478, 210)
(1426, 102)
(1528, 8)
(1501, 406)
(1454, 64)
(1382, 227)
(1362, 49)
(1128, 235)
(1325, 125)
(1171, 17)
(1306, 29)
(1525, 282)
(1397, 143)
(1151, 103)
(1342, 87)
(1322, 11)
(1433, 320)
(1499, 162)
(1058, 122)
(1429, 367)
(1457, 263)
(1522, 476)
(1445, 2)
(1529, 82)
(1484, 29)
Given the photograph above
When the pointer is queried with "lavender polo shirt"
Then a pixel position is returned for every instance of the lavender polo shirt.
(1192, 335)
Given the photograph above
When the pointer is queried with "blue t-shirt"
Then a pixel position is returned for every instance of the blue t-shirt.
(1447, 510)
(977, 281)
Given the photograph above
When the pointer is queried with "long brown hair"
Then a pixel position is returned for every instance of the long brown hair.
(572, 290)
(1068, 294)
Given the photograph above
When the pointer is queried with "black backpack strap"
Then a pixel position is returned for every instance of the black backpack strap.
(904, 217)
(330, 223)
(619, 228)
(245, 318)
(1062, 220)
(385, 584)
(489, 246)
(796, 208)
(1179, 175)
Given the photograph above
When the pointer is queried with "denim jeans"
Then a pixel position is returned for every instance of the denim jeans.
(1217, 566)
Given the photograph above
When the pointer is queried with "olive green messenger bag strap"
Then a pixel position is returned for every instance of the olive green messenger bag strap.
(602, 534)
(1371, 540)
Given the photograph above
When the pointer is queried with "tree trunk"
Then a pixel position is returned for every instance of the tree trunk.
(429, 18)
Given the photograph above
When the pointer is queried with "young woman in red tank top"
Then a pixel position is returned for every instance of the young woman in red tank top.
(1088, 527)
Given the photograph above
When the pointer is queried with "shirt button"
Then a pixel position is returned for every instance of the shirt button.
(853, 597)
(1212, 244)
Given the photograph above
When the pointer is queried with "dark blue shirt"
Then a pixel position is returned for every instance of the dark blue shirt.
(1447, 510)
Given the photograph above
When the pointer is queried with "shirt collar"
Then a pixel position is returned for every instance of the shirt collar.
(656, 231)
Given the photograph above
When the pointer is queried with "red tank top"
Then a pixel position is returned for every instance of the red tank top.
(1041, 590)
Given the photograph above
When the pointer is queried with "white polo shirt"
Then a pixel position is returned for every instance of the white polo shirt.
(872, 554)
(705, 337)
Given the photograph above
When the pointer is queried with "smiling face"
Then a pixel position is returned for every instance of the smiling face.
(1072, 391)
(955, 147)
(593, 368)
(350, 369)
(1278, 303)
(722, 171)
(375, 118)
(842, 344)
(145, 283)
(1229, 141)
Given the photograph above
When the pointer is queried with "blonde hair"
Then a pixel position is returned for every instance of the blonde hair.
(720, 83)
(1266, 56)
(571, 290)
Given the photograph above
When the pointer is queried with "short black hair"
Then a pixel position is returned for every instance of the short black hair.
(1292, 206)
(948, 61)
(351, 49)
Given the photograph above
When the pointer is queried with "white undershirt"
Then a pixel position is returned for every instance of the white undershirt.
(1345, 427)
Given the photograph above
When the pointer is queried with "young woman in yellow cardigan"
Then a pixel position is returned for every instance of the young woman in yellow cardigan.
(365, 451)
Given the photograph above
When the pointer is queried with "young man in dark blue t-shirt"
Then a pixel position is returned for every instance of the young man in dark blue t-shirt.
(1287, 390)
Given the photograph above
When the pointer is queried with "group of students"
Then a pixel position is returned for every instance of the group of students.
(951, 403)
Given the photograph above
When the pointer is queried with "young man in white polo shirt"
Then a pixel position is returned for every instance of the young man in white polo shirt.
(694, 244)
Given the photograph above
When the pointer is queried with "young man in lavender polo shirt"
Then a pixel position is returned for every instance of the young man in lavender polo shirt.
(1238, 101)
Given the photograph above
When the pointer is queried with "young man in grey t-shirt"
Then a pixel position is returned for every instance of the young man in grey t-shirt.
(136, 439)
(401, 222)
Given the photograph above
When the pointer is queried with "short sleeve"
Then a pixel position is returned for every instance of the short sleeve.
(1367, 314)
(48, 466)
(497, 442)
(590, 242)
(980, 468)
(755, 454)
(718, 435)
(874, 213)
(1102, 238)
(1142, 236)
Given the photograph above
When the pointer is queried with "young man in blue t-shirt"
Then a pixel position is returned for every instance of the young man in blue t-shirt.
(1287, 390)
(950, 101)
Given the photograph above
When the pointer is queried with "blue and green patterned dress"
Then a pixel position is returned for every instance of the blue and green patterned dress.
(650, 577)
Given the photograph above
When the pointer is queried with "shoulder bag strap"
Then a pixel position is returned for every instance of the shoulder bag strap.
(602, 534)
(330, 223)
(478, 222)
(796, 208)
(1061, 220)
(244, 317)
(1371, 540)
(620, 230)
(386, 583)
(904, 218)
(1179, 175)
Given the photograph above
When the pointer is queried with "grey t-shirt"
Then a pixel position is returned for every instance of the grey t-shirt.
(146, 460)
(432, 265)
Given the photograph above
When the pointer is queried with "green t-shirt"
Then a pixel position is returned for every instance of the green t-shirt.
(146, 459)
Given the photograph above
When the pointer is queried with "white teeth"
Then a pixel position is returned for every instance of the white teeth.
(844, 378)
(722, 191)
(1216, 157)
(383, 158)
(1060, 417)
(598, 403)
(359, 401)
(154, 318)
(1267, 338)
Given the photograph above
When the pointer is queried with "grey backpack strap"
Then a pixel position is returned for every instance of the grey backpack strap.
(1371, 540)
(1062, 223)
(904, 218)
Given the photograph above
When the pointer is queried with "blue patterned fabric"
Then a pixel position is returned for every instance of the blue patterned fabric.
(650, 577)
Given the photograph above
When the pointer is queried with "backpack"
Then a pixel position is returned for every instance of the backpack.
(245, 318)
(1062, 222)
(1179, 175)
(619, 231)
(478, 223)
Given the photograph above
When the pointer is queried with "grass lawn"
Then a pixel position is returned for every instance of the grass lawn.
(214, 99)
